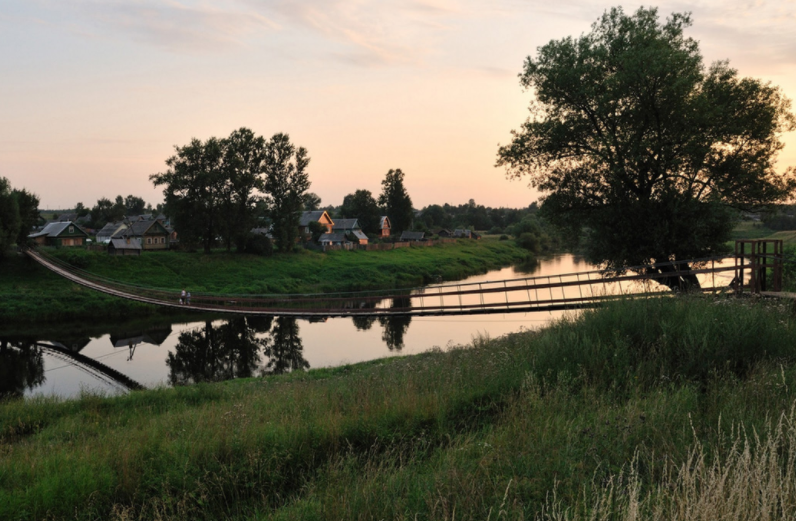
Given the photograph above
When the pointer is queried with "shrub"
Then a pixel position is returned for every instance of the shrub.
(258, 244)
(504, 237)
(495, 230)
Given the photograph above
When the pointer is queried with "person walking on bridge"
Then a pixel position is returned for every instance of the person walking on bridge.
(182, 297)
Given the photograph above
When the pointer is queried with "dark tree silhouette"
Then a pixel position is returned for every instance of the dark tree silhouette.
(21, 368)
(215, 353)
(395, 326)
(285, 351)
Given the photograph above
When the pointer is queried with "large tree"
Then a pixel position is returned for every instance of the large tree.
(362, 206)
(195, 187)
(395, 201)
(28, 205)
(638, 144)
(10, 222)
(244, 162)
(286, 183)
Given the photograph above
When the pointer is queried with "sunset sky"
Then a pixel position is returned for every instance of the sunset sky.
(95, 94)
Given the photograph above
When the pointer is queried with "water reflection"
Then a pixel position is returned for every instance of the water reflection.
(184, 350)
(237, 348)
(212, 354)
(285, 351)
(21, 368)
(395, 326)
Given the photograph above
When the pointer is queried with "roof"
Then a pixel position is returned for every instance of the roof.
(122, 244)
(382, 220)
(266, 231)
(55, 229)
(346, 224)
(110, 229)
(141, 227)
(359, 234)
(308, 217)
(412, 236)
(332, 237)
(66, 216)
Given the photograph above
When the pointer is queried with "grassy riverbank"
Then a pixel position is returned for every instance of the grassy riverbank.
(487, 432)
(30, 293)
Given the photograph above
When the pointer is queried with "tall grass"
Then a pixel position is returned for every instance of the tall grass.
(489, 430)
(749, 476)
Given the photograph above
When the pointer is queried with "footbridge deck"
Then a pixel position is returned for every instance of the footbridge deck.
(540, 293)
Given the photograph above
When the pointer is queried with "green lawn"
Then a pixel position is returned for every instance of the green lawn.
(501, 429)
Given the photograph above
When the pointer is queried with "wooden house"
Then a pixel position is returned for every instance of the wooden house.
(109, 231)
(60, 234)
(124, 246)
(445, 233)
(384, 226)
(332, 239)
(152, 234)
(314, 216)
(412, 236)
(352, 229)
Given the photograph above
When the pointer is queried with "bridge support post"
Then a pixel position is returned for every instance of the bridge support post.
(762, 255)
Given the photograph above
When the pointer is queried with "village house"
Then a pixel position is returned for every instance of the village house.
(384, 226)
(152, 234)
(332, 239)
(60, 234)
(443, 232)
(124, 246)
(109, 231)
(314, 216)
(465, 234)
(412, 236)
(352, 230)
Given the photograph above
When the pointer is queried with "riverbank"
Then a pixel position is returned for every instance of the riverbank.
(493, 428)
(30, 293)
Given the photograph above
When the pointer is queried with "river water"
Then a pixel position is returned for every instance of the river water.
(112, 358)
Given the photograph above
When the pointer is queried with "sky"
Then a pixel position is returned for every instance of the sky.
(97, 93)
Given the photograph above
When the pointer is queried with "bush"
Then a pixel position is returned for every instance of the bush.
(495, 230)
(258, 244)
(75, 258)
(504, 237)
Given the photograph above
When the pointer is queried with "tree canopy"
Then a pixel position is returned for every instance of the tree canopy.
(362, 206)
(219, 188)
(396, 202)
(640, 146)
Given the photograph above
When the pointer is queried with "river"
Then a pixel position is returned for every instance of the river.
(111, 359)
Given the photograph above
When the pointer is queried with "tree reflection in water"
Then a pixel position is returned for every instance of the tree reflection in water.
(395, 326)
(231, 350)
(21, 368)
(235, 349)
(285, 351)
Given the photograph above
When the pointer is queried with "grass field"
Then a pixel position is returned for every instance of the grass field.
(637, 398)
(30, 293)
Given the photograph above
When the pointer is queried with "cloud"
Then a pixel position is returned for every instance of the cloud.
(177, 26)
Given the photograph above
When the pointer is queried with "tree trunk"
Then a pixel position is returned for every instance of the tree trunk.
(676, 279)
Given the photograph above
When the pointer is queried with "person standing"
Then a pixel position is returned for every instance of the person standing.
(188, 299)
(182, 297)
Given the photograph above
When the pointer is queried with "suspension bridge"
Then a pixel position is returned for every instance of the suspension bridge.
(749, 268)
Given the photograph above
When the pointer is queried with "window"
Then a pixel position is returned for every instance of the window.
(71, 229)
(162, 240)
(149, 240)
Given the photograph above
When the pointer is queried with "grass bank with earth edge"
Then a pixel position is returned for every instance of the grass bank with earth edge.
(487, 431)
(29, 293)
